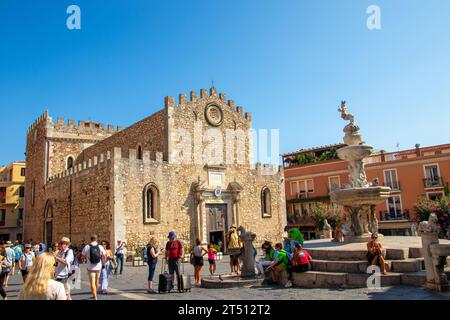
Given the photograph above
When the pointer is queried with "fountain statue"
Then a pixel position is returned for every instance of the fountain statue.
(360, 197)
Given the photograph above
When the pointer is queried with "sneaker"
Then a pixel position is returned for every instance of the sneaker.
(288, 284)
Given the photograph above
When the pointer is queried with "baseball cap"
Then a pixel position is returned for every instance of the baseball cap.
(172, 235)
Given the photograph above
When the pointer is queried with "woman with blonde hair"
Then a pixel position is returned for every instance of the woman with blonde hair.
(39, 284)
(152, 260)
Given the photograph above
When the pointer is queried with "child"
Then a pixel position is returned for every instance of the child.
(212, 254)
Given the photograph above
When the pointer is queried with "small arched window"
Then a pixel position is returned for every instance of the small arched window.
(69, 163)
(266, 203)
(151, 204)
(139, 152)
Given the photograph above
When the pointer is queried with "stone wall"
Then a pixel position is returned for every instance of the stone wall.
(104, 192)
(81, 200)
(147, 133)
(35, 179)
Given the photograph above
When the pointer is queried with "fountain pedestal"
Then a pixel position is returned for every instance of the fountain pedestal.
(360, 198)
(360, 206)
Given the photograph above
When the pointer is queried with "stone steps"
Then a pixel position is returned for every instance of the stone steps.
(359, 255)
(320, 279)
(360, 266)
(418, 278)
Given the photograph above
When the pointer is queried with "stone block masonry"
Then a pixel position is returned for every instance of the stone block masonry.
(131, 185)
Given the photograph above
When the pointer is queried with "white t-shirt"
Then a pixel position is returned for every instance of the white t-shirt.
(86, 253)
(62, 271)
(27, 260)
(9, 257)
(55, 291)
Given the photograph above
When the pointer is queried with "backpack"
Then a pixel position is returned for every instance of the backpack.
(147, 254)
(179, 248)
(94, 254)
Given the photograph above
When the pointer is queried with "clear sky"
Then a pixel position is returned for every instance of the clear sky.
(288, 62)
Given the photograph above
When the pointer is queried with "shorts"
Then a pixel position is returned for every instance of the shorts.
(279, 268)
(94, 274)
(234, 252)
(198, 261)
(212, 261)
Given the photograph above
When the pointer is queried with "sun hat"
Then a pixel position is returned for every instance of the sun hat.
(65, 239)
(233, 226)
(28, 246)
(172, 235)
(8, 243)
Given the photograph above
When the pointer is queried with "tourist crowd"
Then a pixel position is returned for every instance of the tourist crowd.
(49, 271)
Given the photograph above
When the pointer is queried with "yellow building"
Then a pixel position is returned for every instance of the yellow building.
(12, 191)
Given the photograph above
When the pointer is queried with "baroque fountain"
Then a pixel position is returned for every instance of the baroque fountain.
(360, 197)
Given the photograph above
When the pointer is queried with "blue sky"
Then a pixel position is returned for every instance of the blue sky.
(288, 62)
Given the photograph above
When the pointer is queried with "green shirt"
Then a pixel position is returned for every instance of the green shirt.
(269, 255)
(282, 256)
(297, 235)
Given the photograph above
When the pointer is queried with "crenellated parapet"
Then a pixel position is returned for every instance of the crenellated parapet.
(263, 169)
(106, 159)
(184, 103)
(83, 127)
(42, 118)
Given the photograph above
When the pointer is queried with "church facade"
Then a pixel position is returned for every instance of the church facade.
(186, 168)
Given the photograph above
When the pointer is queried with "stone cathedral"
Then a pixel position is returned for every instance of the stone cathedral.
(185, 168)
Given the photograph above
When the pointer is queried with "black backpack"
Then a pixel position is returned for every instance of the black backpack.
(94, 254)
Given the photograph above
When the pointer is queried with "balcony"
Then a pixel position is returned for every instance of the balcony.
(435, 182)
(394, 185)
(394, 216)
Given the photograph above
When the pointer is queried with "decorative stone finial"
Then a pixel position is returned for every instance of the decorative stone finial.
(429, 226)
(352, 136)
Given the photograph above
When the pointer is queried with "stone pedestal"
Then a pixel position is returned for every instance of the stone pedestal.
(435, 255)
(360, 207)
(248, 259)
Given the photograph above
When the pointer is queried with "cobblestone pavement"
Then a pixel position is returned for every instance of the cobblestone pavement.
(133, 283)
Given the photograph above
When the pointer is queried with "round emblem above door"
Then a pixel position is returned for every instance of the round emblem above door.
(218, 191)
(214, 115)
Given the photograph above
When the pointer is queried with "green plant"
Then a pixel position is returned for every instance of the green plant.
(305, 158)
(216, 247)
(332, 213)
(139, 250)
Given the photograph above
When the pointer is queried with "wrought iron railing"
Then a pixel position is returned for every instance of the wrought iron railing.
(434, 182)
(392, 216)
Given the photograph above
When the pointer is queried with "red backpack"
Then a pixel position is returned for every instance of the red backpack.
(174, 249)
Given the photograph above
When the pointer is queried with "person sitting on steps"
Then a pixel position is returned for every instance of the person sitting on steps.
(375, 253)
(280, 263)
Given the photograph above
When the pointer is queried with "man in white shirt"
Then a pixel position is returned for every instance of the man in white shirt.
(9, 261)
(95, 255)
(64, 261)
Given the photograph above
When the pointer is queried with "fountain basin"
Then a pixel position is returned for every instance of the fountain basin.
(228, 281)
(356, 197)
(355, 152)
